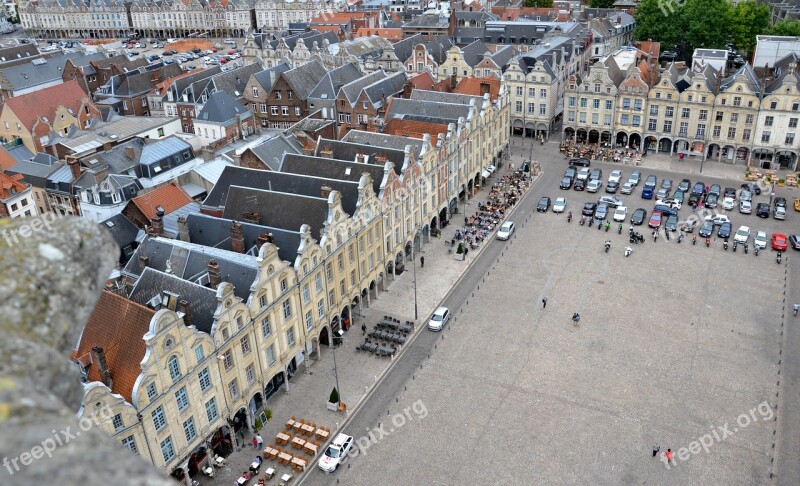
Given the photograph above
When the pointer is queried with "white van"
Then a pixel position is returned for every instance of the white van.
(230, 42)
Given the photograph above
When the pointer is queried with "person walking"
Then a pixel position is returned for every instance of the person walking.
(656, 448)
(465, 253)
(422, 262)
(363, 329)
(669, 456)
(255, 443)
(544, 302)
(576, 318)
(259, 441)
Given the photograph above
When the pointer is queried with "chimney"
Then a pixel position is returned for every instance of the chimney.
(326, 152)
(251, 217)
(208, 155)
(99, 358)
(100, 174)
(74, 166)
(308, 149)
(130, 152)
(157, 223)
(183, 307)
(453, 80)
(237, 237)
(263, 239)
(484, 88)
(107, 146)
(183, 229)
(213, 274)
(144, 260)
(407, 89)
(326, 191)
(360, 158)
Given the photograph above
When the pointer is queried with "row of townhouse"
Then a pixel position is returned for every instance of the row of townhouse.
(220, 318)
(738, 119)
(170, 18)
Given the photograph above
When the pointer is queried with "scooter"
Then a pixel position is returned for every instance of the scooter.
(583, 220)
(628, 251)
(779, 257)
(608, 226)
(708, 241)
(591, 221)
(745, 249)
(694, 239)
(599, 224)
(795, 308)
(680, 237)
(569, 217)
(734, 246)
(608, 245)
(756, 251)
(725, 244)
(619, 229)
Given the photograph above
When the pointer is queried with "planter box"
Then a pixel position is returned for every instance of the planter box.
(333, 407)
(458, 256)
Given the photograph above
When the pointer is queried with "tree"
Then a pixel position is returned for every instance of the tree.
(747, 20)
(695, 23)
(334, 398)
(705, 26)
(789, 28)
(601, 3)
(539, 3)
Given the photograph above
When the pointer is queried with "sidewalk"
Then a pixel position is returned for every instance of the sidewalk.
(358, 371)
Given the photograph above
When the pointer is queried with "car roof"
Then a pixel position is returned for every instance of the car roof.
(440, 310)
(339, 440)
(507, 224)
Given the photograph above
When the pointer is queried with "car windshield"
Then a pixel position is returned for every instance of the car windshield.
(436, 317)
(333, 452)
(505, 227)
(707, 226)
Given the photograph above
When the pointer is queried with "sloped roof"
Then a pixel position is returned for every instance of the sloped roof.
(414, 129)
(303, 79)
(121, 228)
(430, 111)
(333, 81)
(278, 209)
(384, 140)
(387, 87)
(352, 89)
(272, 151)
(202, 300)
(475, 87)
(44, 102)
(117, 325)
(473, 53)
(267, 77)
(169, 197)
(221, 108)
(10, 186)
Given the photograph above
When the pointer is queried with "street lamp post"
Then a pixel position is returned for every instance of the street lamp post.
(414, 269)
(335, 369)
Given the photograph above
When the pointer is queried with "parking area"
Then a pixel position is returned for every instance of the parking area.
(677, 345)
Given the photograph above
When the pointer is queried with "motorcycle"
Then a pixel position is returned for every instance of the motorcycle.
(734, 246)
(628, 251)
(608, 226)
(756, 251)
(708, 241)
(599, 224)
(591, 221)
(583, 220)
(795, 308)
(725, 244)
(680, 237)
(694, 239)
(745, 249)
(619, 229)
(569, 217)
(608, 245)
(779, 257)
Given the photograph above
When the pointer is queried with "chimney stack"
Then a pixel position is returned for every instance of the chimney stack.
(183, 229)
(326, 152)
(408, 88)
(360, 158)
(157, 223)
(263, 239)
(453, 80)
(326, 191)
(213, 274)
(99, 358)
(144, 260)
(74, 166)
(237, 237)
(183, 307)
(130, 152)
(251, 217)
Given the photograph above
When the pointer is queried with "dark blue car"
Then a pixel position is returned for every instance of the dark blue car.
(647, 193)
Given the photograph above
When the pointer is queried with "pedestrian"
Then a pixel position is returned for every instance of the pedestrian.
(465, 253)
(576, 318)
(544, 302)
(422, 262)
(466, 221)
(656, 448)
(669, 456)
(363, 329)
(259, 440)
(255, 443)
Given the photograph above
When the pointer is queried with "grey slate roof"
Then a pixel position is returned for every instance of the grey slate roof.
(428, 21)
(333, 169)
(278, 209)
(216, 232)
(189, 261)
(745, 73)
(473, 53)
(382, 140)
(271, 152)
(160, 149)
(202, 300)
(442, 97)
(504, 55)
(222, 108)
(38, 170)
(437, 47)
(352, 89)
(122, 229)
(467, 35)
(348, 151)
(475, 16)
(403, 49)
(303, 79)
(385, 88)
(307, 182)
(333, 81)
(14, 53)
(41, 70)
(267, 77)
(427, 111)
(235, 80)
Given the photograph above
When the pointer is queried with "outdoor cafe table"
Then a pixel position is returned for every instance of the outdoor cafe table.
(269, 472)
(307, 429)
(310, 448)
(389, 324)
(322, 434)
(297, 426)
(289, 423)
(300, 463)
(241, 480)
(298, 443)
(270, 453)
(255, 465)
(385, 350)
(284, 458)
(282, 438)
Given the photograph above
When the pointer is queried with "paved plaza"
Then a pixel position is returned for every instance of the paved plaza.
(678, 344)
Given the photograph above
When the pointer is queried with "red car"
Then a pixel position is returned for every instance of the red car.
(655, 220)
(230, 53)
(779, 242)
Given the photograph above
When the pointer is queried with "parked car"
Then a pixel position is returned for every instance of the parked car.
(684, 185)
(650, 181)
(635, 177)
(612, 187)
(639, 216)
(745, 207)
(780, 213)
(672, 223)
(728, 203)
(752, 188)
(666, 184)
(655, 220)
(779, 242)
(580, 185)
(665, 210)
(742, 235)
(699, 188)
(711, 200)
(337, 452)
(627, 188)
(596, 174)
(760, 240)
(594, 185)
(588, 209)
(560, 205)
(566, 183)
(505, 231)
(795, 241)
(647, 192)
(745, 195)
(724, 230)
(780, 202)
(715, 189)
(670, 203)
(615, 176)
(601, 211)
(729, 192)
(439, 318)
(707, 229)
(571, 172)
(610, 200)
(662, 193)
(620, 213)
(797, 204)
(718, 219)
(580, 161)
(583, 174)
(679, 196)
(544, 204)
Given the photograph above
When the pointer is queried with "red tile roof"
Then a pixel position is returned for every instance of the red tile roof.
(162, 87)
(413, 128)
(392, 34)
(44, 102)
(170, 197)
(117, 325)
(477, 86)
(10, 186)
(7, 160)
(423, 81)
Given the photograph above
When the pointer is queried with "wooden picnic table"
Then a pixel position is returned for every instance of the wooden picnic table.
(310, 448)
(282, 438)
(298, 443)
(300, 464)
(284, 458)
(322, 434)
(290, 424)
(270, 453)
(307, 429)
